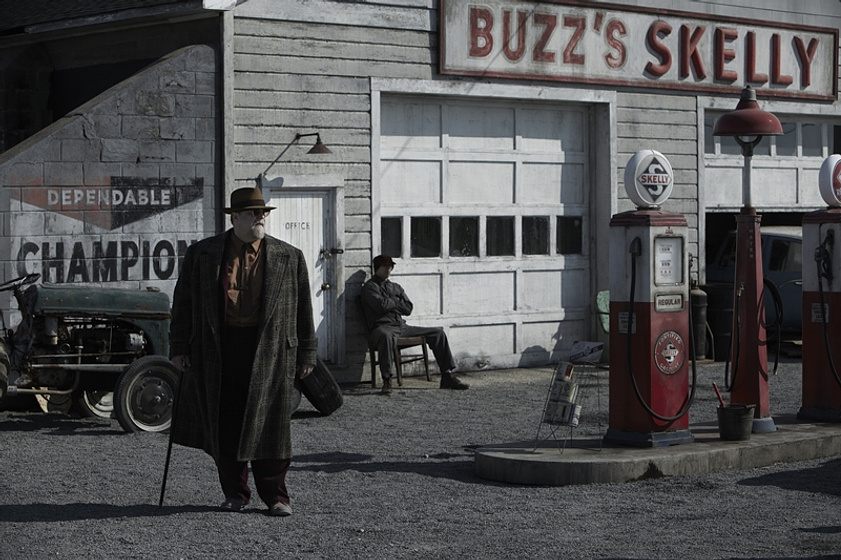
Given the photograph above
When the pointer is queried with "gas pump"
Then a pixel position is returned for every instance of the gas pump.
(650, 329)
(822, 301)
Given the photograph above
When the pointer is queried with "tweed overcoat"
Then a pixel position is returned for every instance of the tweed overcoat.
(286, 339)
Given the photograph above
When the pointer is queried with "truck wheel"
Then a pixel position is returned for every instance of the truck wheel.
(144, 395)
(94, 404)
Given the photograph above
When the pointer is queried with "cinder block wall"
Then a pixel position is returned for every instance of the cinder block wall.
(116, 191)
(24, 94)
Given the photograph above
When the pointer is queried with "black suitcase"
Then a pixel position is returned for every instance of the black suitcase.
(321, 389)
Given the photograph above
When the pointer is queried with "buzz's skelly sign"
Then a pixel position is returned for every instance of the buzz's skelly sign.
(618, 45)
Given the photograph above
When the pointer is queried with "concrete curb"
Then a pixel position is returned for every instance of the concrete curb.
(557, 462)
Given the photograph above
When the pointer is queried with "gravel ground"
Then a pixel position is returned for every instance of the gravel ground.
(393, 478)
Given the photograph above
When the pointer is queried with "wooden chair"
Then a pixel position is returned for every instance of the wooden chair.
(400, 358)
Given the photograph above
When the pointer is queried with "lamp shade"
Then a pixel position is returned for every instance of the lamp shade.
(748, 119)
(319, 147)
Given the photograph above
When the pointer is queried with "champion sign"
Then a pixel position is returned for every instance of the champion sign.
(649, 179)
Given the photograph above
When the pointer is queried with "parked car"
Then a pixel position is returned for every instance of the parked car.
(782, 262)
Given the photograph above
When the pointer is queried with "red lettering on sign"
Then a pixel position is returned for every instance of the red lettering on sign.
(579, 24)
(806, 56)
(509, 53)
(689, 52)
(619, 54)
(750, 61)
(549, 21)
(723, 55)
(777, 77)
(655, 31)
(481, 33)
(597, 23)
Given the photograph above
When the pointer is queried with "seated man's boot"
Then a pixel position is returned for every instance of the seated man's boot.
(386, 390)
(450, 381)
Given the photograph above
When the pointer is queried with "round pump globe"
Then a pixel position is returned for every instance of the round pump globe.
(649, 179)
(829, 181)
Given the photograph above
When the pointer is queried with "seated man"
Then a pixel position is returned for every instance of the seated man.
(384, 303)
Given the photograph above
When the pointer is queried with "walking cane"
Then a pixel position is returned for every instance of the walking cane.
(175, 400)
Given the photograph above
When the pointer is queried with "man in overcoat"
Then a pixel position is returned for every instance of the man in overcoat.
(241, 330)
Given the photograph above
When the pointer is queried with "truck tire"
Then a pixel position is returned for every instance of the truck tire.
(144, 395)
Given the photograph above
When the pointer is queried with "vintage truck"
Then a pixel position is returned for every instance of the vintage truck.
(104, 348)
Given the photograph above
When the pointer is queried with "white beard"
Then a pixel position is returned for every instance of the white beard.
(259, 231)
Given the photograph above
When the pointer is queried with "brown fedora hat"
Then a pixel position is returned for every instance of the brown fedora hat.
(247, 198)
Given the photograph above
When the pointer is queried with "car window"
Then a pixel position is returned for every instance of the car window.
(786, 256)
(728, 254)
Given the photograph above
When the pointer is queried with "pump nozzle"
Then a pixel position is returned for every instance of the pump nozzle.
(823, 255)
(636, 247)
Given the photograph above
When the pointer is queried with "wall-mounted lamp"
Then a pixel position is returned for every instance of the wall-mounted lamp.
(319, 147)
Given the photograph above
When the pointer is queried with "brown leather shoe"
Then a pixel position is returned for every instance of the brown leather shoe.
(386, 390)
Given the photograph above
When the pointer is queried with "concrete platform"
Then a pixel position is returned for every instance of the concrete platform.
(559, 462)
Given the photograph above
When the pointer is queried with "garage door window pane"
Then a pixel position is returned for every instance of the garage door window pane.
(426, 237)
(535, 235)
(392, 237)
(812, 142)
(500, 236)
(709, 138)
(787, 143)
(464, 237)
(569, 235)
(729, 145)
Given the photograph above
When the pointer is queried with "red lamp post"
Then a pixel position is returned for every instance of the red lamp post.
(748, 124)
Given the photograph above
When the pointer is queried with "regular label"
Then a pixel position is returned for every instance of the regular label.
(668, 302)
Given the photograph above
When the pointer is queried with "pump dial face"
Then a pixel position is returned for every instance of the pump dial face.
(668, 260)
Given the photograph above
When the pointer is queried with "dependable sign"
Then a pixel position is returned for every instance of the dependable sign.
(618, 45)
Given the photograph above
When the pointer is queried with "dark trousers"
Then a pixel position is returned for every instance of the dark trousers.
(239, 345)
(386, 336)
(269, 479)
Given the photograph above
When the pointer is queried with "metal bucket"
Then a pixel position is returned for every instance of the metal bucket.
(735, 421)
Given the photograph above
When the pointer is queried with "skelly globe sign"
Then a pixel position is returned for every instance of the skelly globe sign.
(829, 181)
(649, 179)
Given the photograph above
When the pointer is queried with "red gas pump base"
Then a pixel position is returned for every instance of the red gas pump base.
(813, 414)
(650, 439)
(821, 388)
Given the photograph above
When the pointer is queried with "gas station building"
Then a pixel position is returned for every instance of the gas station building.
(481, 145)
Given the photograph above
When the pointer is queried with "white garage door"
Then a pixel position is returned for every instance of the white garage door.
(484, 204)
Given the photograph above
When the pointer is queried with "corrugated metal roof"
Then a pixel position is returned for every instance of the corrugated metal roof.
(19, 14)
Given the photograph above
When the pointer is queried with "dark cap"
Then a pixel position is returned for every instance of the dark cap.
(381, 260)
(247, 198)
